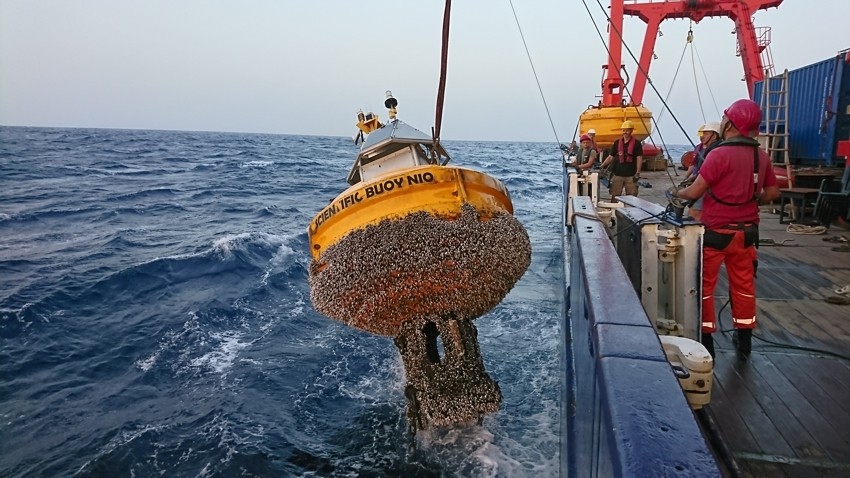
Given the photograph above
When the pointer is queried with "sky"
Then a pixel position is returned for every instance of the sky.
(307, 67)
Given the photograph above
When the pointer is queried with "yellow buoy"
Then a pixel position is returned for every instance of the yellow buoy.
(416, 250)
(607, 121)
(437, 190)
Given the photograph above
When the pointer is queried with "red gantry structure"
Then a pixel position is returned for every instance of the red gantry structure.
(740, 11)
(607, 116)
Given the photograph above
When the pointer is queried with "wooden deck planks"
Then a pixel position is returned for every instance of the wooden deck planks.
(730, 421)
(830, 378)
(812, 431)
(806, 327)
(829, 318)
(739, 391)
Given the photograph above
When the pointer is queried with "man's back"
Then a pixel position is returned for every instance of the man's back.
(728, 170)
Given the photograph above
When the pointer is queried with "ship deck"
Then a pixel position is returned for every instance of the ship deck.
(785, 410)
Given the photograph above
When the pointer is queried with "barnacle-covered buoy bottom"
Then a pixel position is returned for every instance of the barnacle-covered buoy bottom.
(422, 278)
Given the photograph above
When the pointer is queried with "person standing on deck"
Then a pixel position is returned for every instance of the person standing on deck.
(586, 156)
(627, 155)
(591, 133)
(690, 175)
(735, 178)
(709, 138)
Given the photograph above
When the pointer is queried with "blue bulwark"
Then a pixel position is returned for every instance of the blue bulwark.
(623, 411)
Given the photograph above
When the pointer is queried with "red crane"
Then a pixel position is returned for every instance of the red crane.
(654, 12)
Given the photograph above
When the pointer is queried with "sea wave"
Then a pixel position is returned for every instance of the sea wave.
(155, 315)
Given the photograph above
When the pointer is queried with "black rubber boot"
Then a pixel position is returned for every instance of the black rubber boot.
(708, 342)
(743, 340)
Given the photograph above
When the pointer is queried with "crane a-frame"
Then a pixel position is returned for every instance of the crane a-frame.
(607, 116)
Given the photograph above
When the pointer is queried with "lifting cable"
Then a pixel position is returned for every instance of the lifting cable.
(694, 67)
(707, 83)
(444, 61)
(675, 75)
(557, 141)
(648, 79)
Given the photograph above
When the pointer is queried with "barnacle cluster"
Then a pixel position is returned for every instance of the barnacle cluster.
(396, 277)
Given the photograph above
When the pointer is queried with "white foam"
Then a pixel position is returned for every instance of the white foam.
(168, 342)
(119, 440)
(145, 364)
(281, 256)
(222, 358)
(225, 246)
(256, 164)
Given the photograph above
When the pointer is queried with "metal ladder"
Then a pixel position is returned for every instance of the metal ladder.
(775, 105)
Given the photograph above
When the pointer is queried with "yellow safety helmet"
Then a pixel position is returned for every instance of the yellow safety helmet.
(627, 125)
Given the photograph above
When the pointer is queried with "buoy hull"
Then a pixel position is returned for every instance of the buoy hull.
(437, 190)
(420, 264)
(422, 241)
(608, 120)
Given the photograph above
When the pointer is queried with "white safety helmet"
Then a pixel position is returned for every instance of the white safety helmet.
(712, 126)
(591, 131)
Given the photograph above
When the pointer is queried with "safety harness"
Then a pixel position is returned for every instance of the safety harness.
(584, 155)
(719, 240)
(630, 152)
(741, 141)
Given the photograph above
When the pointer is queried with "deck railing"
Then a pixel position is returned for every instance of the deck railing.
(623, 411)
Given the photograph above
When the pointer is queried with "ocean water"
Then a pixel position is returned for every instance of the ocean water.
(155, 316)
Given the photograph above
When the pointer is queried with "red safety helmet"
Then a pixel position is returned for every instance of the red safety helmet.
(745, 116)
(584, 137)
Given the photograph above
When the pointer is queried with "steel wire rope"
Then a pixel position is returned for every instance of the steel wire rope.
(707, 83)
(444, 60)
(536, 79)
(696, 83)
(675, 76)
(626, 88)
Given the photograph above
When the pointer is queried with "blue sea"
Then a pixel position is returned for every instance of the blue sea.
(155, 316)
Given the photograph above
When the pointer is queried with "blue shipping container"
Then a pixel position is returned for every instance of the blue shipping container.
(818, 110)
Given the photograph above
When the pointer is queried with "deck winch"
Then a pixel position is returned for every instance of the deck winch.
(417, 250)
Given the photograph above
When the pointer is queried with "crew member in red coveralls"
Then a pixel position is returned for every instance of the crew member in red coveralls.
(736, 177)
(627, 155)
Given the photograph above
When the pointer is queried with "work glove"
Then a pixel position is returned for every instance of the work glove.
(676, 201)
(687, 182)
